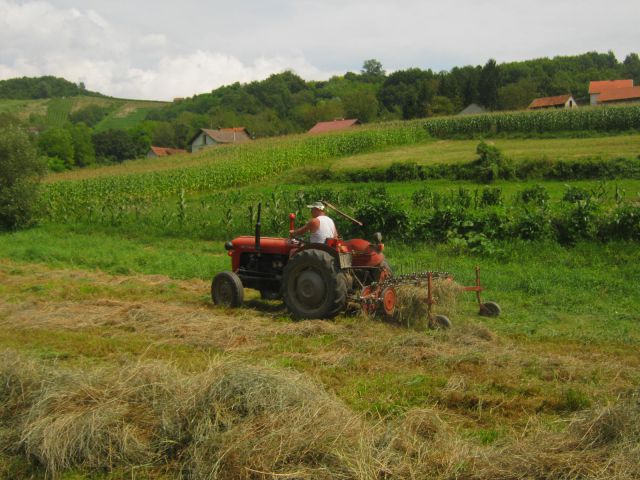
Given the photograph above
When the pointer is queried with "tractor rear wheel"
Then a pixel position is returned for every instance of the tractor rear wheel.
(313, 285)
(227, 290)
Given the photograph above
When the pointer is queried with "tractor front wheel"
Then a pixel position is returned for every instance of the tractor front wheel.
(227, 290)
(313, 285)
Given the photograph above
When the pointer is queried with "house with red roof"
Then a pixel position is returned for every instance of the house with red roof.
(559, 101)
(334, 125)
(207, 138)
(598, 87)
(155, 152)
(620, 95)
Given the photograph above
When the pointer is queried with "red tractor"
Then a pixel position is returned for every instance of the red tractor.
(314, 280)
(319, 280)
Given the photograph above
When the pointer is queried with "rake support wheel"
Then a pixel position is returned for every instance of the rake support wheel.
(490, 309)
(440, 322)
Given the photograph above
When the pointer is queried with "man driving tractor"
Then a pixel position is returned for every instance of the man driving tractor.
(320, 226)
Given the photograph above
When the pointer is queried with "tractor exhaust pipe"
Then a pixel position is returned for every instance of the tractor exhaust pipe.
(258, 225)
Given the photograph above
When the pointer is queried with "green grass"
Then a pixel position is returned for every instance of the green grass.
(453, 151)
(58, 246)
(548, 292)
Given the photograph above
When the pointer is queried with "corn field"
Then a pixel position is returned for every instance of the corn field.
(227, 167)
(541, 121)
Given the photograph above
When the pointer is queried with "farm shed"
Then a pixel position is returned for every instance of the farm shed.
(559, 101)
(620, 95)
(599, 87)
(334, 125)
(206, 137)
(155, 152)
(472, 109)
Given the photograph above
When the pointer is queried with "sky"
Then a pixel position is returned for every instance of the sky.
(165, 49)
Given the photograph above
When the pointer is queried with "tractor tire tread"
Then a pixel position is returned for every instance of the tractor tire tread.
(335, 282)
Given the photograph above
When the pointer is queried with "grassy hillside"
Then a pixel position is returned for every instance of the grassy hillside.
(55, 111)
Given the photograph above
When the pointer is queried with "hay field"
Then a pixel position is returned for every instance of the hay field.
(140, 376)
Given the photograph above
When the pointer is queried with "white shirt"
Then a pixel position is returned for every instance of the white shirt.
(327, 229)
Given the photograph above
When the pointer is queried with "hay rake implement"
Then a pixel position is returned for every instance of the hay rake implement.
(382, 297)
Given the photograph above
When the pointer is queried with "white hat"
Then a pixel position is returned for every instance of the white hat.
(318, 205)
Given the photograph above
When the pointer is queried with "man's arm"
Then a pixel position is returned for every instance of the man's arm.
(311, 226)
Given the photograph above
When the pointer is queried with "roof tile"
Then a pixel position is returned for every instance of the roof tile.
(618, 94)
(322, 127)
(604, 85)
(550, 101)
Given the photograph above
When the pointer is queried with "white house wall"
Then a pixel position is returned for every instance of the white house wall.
(202, 140)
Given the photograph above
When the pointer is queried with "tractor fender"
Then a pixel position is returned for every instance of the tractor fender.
(316, 246)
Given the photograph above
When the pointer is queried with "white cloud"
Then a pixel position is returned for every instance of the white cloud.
(152, 40)
(182, 48)
(37, 38)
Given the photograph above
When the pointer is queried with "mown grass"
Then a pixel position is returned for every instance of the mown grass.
(454, 151)
(479, 387)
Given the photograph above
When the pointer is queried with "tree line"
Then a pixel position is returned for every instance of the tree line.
(285, 103)
(31, 88)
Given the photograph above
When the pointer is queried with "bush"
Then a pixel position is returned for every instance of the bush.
(491, 164)
(536, 195)
(20, 170)
(383, 215)
(623, 224)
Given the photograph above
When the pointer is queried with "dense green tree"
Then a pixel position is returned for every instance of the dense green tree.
(40, 87)
(372, 71)
(518, 95)
(83, 152)
(632, 67)
(408, 91)
(361, 104)
(488, 85)
(20, 172)
(114, 145)
(441, 105)
(141, 139)
(57, 143)
(324, 110)
(164, 135)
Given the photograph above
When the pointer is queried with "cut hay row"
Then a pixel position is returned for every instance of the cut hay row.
(239, 422)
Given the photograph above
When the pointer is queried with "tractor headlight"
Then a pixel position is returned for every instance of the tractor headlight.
(228, 246)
